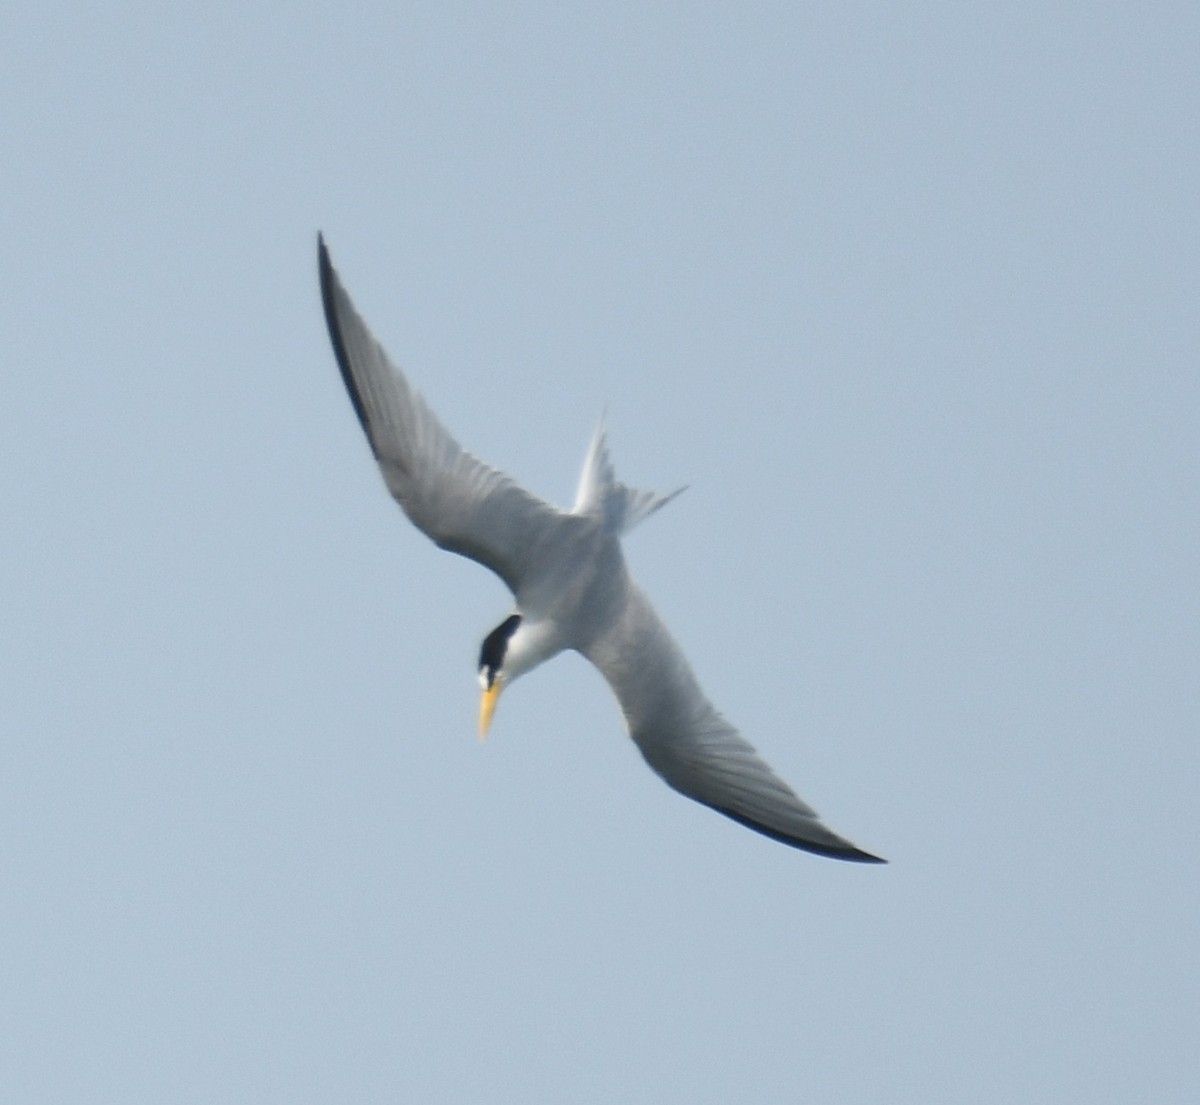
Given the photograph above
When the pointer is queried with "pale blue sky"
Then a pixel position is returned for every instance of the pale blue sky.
(907, 293)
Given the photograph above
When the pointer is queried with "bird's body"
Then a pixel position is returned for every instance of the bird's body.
(571, 586)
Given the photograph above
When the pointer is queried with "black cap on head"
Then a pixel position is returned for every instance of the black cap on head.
(495, 645)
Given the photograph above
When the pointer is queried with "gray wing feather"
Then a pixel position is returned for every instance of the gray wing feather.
(690, 745)
(464, 505)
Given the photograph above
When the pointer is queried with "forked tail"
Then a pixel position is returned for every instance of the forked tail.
(600, 492)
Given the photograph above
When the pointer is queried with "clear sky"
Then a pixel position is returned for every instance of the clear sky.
(907, 293)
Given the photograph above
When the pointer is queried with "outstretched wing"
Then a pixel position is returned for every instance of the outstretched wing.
(464, 505)
(690, 745)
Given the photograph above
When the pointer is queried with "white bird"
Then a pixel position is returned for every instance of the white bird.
(571, 585)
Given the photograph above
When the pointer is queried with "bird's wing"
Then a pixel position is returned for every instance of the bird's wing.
(690, 745)
(464, 505)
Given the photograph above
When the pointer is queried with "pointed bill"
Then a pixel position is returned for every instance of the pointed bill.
(487, 707)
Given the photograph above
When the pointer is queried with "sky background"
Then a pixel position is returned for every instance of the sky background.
(905, 292)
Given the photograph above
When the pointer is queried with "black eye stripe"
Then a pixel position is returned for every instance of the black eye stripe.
(495, 644)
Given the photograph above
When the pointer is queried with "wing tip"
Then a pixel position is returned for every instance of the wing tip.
(330, 287)
(843, 851)
(857, 855)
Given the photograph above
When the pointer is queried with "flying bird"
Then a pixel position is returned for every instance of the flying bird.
(571, 587)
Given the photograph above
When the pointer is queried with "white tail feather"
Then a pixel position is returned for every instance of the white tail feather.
(601, 493)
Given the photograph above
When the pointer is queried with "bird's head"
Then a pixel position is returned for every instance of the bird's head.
(514, 647)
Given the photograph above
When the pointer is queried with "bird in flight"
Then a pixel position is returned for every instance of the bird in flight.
(571, 587)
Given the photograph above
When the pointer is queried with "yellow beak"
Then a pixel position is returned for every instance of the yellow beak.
(487, 707)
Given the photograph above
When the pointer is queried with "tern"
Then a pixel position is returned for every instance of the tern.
(572, 588)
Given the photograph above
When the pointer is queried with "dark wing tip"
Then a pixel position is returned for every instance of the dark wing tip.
(857, 855)
(330, 287)
(849, 852)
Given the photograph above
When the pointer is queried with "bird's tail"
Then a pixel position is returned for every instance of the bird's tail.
(601, 493)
